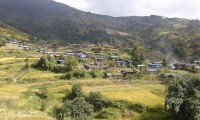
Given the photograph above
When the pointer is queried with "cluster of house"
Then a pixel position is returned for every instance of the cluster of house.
(21, 43)
(99, 59)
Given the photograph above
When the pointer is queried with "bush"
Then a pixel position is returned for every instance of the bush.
(43, 93)
(79, 74)
(157, 109)
(78, 109)
(94, 73)
(67, 76)
(138, 107)
(58, 112)
(96, 99)
(109, 113)
(76, 92)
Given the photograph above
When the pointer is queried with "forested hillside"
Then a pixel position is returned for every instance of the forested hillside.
(46, 19)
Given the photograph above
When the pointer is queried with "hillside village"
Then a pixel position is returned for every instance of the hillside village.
(47, 72)
(114, 64)
(61, 63)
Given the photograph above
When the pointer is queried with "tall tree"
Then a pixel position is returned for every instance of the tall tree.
(164, 62)
(78, 109)
(183, 98)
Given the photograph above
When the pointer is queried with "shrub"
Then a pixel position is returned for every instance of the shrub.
(138, 107)
(109, 113)
(76, 91)
(67, 76)
(96, 99)
(94, 73)
(78, 109)
(58, 112)
(43, 93)
(79, 74)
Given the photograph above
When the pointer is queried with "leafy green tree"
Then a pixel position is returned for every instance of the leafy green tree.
(136, 58)
(79, 74)
(181, 52)
(42, 63)
(78, 109)
(76, 91)
(71, 63)
(96, 99)
(164, 62)
(67, 76)
(47, 62)
(183, 98)
(94, 73)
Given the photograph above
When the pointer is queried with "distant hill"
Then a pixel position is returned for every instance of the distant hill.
(172, 37)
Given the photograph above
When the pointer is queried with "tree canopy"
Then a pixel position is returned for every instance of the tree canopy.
(183, 98)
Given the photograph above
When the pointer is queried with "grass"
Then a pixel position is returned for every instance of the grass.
(33, 73)
(8, 31)
(11, 91)
(23, 115)
(144, 97)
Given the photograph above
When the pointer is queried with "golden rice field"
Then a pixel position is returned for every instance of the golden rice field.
(11, 91)
(40, 74)
(144, 97)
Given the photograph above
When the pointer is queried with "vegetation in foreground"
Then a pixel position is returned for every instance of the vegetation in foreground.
(46, 89)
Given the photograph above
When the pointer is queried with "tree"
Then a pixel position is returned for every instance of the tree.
(96, 99)
(79, 74)
(42, 63)
(71, 63)
(76, 91)
(183, 98)
(136, 58)
(46, 62)
(94, 73)
(181, 52)
(78, 109)
(164, 62)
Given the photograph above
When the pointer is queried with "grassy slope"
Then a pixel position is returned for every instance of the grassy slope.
(10, 32)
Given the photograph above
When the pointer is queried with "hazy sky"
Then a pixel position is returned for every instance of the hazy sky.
(168, 8)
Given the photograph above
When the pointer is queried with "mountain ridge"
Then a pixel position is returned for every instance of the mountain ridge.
(48, 19)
